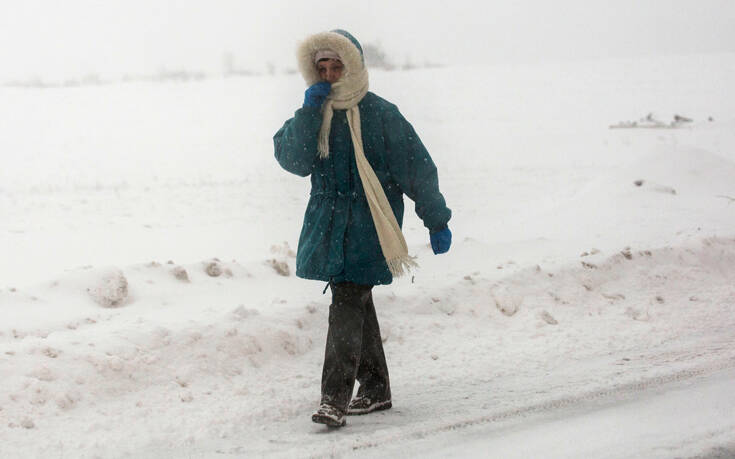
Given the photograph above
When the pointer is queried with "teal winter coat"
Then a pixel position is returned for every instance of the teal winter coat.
(338, 239)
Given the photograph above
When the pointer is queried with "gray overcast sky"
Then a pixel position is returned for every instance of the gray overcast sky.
(53, 39)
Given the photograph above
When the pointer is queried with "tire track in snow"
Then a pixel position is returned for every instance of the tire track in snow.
(614, 393)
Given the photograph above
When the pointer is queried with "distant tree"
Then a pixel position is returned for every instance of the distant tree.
(228, 61)
(231, 68)
(408, 65)
(375, 56)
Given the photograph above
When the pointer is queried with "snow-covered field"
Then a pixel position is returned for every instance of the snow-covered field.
(145, 229)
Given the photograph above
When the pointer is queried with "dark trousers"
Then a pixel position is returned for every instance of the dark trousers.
(354, 348)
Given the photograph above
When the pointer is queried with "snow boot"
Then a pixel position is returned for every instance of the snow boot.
(329, 415)
(363, 404)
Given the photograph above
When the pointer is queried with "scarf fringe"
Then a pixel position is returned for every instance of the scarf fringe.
(402, 265)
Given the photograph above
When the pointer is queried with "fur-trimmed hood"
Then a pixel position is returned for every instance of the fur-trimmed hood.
(339, 41)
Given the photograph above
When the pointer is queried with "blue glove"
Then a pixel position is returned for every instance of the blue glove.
(315, 95)
(441, 241)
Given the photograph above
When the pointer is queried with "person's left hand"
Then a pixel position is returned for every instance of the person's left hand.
(441, 241)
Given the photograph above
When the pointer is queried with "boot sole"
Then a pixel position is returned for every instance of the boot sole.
(331, 422)
(377, 406)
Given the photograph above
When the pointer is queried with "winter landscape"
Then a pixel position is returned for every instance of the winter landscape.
(148, 306)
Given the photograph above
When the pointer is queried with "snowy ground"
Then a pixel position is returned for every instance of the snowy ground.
(574, 305)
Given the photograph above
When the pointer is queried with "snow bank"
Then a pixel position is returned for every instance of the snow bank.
(226, 365)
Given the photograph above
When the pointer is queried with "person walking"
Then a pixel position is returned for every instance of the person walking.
(362, 156)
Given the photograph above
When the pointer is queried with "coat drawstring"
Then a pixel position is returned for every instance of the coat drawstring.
(327, 286)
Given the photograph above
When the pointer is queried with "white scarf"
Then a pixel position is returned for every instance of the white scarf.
(345, 95)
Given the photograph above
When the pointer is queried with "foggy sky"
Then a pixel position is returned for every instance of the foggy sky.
(51, 39)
